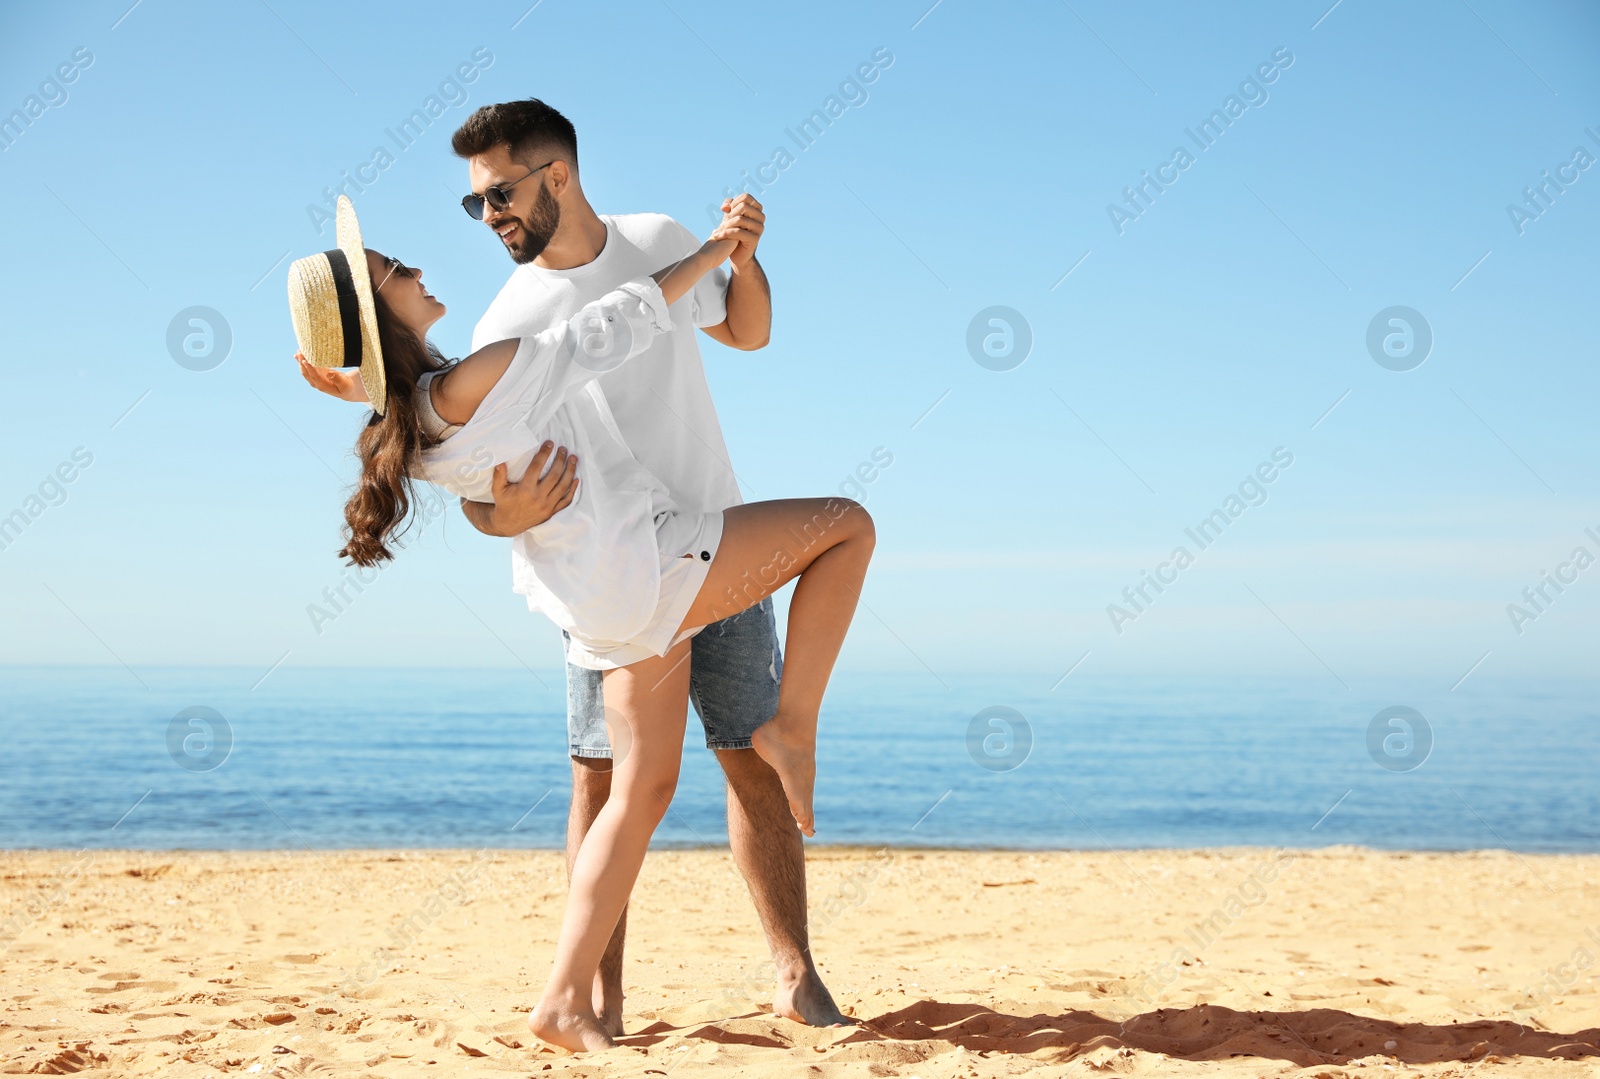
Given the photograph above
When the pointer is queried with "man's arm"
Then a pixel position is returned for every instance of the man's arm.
(749, 322)
(531, 501)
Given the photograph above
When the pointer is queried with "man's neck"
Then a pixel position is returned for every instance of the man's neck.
(578, 241)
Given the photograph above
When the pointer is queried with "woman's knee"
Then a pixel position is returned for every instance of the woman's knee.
(859, 523)
(648, 795)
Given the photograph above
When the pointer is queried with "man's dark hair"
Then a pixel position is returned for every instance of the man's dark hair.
(523, 127)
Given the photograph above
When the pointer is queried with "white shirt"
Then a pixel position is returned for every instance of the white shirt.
(662, 403)
(594, 568)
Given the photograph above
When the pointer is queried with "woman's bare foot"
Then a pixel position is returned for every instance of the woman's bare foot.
(570, 1025)
(789, 746)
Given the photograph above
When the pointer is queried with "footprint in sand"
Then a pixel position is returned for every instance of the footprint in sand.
(434, 1031)
(124, 980)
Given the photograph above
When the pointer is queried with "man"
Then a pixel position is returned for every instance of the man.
(522, 162)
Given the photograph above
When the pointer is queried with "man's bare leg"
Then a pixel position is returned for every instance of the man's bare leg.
(591, 786)
(771, 855)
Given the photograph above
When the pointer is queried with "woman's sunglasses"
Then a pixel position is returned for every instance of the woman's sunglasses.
(395, 267)
(495, 196)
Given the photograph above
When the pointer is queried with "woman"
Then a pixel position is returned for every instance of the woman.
(626, 573)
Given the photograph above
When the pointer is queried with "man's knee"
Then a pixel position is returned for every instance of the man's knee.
(747, 773)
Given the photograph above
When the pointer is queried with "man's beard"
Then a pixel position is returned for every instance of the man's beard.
(536, 229)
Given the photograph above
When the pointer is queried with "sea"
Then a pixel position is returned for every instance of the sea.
(222, 759)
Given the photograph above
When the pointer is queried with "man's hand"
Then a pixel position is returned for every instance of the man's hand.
(742, 219)
(749, 322)
(531, 501)
(343, 383)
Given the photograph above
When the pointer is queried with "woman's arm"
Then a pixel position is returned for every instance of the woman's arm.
(679, 278)
(459, 392)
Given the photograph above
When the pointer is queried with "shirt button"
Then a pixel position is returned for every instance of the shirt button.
(705, 556)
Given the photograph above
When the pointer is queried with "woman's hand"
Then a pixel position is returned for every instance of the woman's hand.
(340, 382)
(718, 246)
(743, 219)
(733, 231)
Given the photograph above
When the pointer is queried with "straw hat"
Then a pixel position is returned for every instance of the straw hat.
(330, 302)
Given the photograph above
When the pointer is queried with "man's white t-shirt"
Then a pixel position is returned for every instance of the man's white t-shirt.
(610, 569)
(660, 399)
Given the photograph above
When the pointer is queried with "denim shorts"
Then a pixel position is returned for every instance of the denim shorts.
(734, 669)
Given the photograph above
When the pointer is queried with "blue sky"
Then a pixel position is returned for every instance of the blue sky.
(1172, 353)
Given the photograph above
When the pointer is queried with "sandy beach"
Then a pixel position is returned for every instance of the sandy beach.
(1248, 962)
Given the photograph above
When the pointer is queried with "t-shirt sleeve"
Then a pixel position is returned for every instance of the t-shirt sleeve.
(491, 327)
(708, 300)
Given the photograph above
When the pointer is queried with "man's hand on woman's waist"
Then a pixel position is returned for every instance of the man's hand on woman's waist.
(531, 501)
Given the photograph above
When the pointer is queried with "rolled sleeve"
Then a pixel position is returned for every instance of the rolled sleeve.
(653, 305)
(615, 328)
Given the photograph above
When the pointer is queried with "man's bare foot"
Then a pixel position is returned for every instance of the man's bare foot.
(608, 1008)
(806, 1000)
(569, 1025)
(789, 747)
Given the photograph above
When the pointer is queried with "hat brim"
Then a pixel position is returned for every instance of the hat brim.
(348, 240)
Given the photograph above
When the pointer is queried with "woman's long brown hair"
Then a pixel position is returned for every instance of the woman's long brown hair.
(390, 447)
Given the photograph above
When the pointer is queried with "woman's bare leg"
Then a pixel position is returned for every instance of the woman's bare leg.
(827, 543)
(646, 705)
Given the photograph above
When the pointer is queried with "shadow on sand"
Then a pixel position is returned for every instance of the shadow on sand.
(1319, 1036)
(1210, 1032)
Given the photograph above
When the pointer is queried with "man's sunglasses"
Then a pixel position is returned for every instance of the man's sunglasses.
(495, 196)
